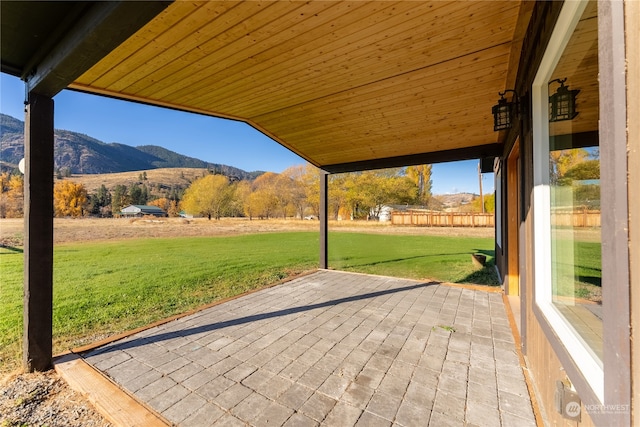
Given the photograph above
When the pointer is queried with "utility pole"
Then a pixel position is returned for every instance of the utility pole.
(480, 181)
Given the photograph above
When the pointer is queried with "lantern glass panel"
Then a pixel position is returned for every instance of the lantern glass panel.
(502, 113)
(562, 104)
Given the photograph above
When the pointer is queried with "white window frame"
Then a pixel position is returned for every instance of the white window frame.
(498, 207)
(584, 358)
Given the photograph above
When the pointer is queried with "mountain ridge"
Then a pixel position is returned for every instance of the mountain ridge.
(82, 154)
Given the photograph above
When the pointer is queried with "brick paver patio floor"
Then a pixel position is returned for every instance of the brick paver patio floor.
(333, 349)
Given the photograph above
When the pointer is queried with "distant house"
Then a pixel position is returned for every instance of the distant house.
(382, 213)
(385, 213)
(142, 210)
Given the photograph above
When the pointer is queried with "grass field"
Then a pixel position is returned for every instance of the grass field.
(106, 287)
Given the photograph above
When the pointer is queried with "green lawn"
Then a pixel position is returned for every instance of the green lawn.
(577, 269)
(109, 287)
(420, 257)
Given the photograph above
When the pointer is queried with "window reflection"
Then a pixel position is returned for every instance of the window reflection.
(575, 235)
(574, 179)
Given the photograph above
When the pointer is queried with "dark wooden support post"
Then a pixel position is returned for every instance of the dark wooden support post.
(324, 219)
(614, 152)
(38, 234)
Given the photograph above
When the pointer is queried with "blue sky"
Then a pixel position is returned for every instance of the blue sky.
(207, 138)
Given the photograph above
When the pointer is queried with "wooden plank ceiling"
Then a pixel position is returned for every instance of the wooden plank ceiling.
(579, 66)
(335, 82)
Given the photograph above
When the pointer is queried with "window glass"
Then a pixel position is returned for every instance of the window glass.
(574, 184)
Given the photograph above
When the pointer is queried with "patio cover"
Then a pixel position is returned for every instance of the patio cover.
(346, 85)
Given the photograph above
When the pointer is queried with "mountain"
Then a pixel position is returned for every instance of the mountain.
(11, 141)
(82, 154)
(455, 200)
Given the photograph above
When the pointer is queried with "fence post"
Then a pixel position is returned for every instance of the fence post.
(324, 220)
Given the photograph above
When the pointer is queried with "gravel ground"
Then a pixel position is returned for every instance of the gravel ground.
(43, 399)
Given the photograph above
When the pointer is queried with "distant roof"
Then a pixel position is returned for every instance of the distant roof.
(144, 208)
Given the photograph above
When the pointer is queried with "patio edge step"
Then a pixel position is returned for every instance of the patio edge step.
(113, 403)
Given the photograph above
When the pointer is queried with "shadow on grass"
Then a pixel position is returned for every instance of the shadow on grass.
(254, 318)
(489, 253)
(590, 280)
(390, 261)
(486, 275)
(12, 248)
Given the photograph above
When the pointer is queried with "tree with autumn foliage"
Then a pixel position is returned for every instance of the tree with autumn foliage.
(69, 199)
(284, 189)
(340, 201)
(210, 196)
(264, 201)
(240, 204)
(294, 179)
(385, 187)
(421, 176)
(310, 181)
(167, 205)
(561, 161)
(476, 205)
(363, 194)
(11, 195)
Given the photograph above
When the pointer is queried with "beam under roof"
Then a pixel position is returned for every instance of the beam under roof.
(50, 44)
(477, 152)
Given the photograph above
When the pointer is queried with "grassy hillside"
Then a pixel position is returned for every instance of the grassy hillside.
(157, 179)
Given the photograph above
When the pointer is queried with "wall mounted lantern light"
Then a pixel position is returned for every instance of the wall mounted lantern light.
(504, 112)
(562, 104)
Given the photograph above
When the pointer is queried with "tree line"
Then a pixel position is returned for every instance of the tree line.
(293, 193)
(296, 193)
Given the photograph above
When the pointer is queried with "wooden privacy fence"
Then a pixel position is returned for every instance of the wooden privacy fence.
(575, 218)
(443, 219)
(578, 218)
